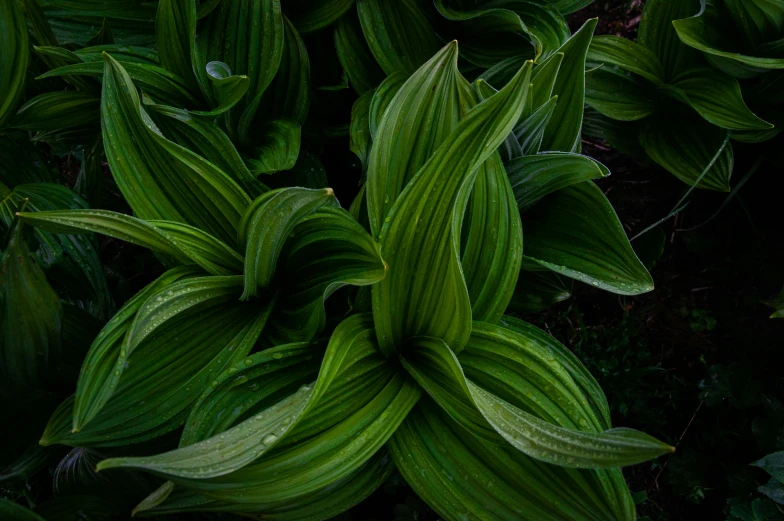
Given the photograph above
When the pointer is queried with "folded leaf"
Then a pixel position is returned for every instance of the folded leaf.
(155, 183)
(354, 54)
(620, 95)
(398, 34)
(326, 251)
(267, 223)
(718, 99)
(570, 89)
(477, 478)
(204, 329)
(529, 133)
(424, 292)
(311, 16)
(533, 177)
(575, 232)
(278, 147)
(58, 110)
(658, 35)
(617, 52)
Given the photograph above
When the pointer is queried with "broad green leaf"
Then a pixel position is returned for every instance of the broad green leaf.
(424, 292)
(570, 89)
(760, 21)
(310, 15)
(686, 148)
(56, 110)
(518, 27)
(492, 242)
(154, 173)
(620, 95)
(30, 320)
(328, 250)
(718, 99)
(570, 6)
(658, 35)
(122, 53)
(249, 38)
(175, 27)
(461, 476)
(501, 391)
(617, 52)
(398, 34)
(265, 226)
(14, 57)
(190, 331)
(278, 147)
(416, 117)
(543, 80)
(538, 290)
(155, 81)
(206, 139)
(704, 33)
(288, 96)
(533, 177)
(352, 409)
(354, 54)
(211, 254)
(113, 224)
(575, 232)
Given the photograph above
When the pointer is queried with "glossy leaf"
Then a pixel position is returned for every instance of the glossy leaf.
(477, 478)
(575, 232)
(141, 406)
(424, 292)
(619, 95)
(152, 183)
(57, 110)
(265, 226)
(537, 291)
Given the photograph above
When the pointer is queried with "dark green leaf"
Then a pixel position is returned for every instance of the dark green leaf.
(575, 232)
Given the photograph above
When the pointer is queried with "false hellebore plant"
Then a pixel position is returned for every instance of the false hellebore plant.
(680, 106)
(484, 415)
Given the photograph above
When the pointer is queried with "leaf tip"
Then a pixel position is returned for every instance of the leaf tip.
(330, 192)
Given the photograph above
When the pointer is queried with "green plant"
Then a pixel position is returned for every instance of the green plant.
(290, 406)
(663, 98)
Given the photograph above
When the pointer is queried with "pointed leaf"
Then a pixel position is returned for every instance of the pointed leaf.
(424, 292)
(575, 232)
(621, 53)
(533, 177)
(658, 35)
(570, 89)
(154, 183)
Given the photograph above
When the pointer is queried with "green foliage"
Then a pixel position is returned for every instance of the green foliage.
(680, 88)
(231, 375)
